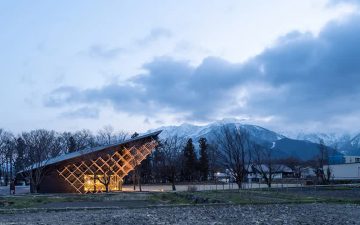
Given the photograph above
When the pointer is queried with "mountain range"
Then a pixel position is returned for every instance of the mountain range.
(303, 146)
(344, 143)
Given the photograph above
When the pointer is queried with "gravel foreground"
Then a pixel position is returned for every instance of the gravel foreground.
(246, 214)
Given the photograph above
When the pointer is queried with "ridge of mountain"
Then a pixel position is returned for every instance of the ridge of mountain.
(195, 132)
(283, 146)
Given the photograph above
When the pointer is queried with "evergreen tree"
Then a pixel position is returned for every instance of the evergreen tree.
(204, 159)
(190, 161)
(72, 144)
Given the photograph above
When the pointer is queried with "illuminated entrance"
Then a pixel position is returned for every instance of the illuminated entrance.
(96, 184)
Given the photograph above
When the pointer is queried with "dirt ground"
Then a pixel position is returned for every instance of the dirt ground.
(320, 205)
(226, 214)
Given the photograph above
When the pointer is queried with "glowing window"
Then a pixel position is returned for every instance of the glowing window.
(92, 184)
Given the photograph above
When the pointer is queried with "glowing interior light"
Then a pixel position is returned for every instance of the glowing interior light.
(107, 167)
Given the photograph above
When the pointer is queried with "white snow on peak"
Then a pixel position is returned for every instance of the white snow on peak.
(187, 130)
(329, 139)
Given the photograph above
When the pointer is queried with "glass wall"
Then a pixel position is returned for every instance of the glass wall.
(92, 183)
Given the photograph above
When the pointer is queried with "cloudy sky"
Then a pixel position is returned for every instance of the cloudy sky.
(287, 65)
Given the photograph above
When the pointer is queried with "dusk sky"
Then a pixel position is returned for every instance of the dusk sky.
(287, 65)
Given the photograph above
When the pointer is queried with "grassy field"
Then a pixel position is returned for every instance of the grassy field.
(146, 199)
(259, 197)
(38, 200)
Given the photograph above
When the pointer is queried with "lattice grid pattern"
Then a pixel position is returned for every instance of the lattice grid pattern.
(117, 165)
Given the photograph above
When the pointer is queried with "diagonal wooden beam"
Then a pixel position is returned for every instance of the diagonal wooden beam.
(124, 160)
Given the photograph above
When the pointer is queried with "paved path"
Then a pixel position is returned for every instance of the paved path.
(205, 187)
(4, 190)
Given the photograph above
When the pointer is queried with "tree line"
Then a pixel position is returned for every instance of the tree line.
(234, 150)
(17, 152)
(175, 159)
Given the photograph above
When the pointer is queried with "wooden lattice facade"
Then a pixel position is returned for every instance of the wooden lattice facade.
(96, 170)
(106, 168)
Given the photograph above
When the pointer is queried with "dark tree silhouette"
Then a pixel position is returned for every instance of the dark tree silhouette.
(72, 144)
(234, 151)
(134, 135)
(42, 145)
(323, 175)
(265, 163)
(190, 161)
(168, 159)
(20, 150)
(204, 159)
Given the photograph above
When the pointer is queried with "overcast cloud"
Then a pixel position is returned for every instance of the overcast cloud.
(301, 78)
(141, 64)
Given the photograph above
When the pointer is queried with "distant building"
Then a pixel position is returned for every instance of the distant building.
(346, 171)
(278, 172)
(307, 172)
(341, 159)
(352, 159)
(223, 177)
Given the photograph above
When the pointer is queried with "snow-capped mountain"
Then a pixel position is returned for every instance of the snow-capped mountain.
(185, 130)
(352, 147)
(355, 142)
(329, 139)
(209, 131)
(304, 146)
(344, 143)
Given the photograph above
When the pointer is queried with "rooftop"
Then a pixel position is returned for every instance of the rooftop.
(86, 151)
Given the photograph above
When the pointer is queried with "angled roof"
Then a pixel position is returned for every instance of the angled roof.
(86, 151)
(277, 168)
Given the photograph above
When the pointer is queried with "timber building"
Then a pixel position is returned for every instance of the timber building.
(90, 170)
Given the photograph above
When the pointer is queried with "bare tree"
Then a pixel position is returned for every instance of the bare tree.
(137, 172)
(142, 173)
(265, 164)
(295, 164)
(105, 176)
(234, 151)
(7, 155)
(2, 155)
(11, 157)
(121, 136)
(84, 139)
(102, 168)
(169, 158)
(105, 136)
(42, 145)
(20, 147)
(107, 172)
(214, 164)
(77, 141)
(323, 175)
